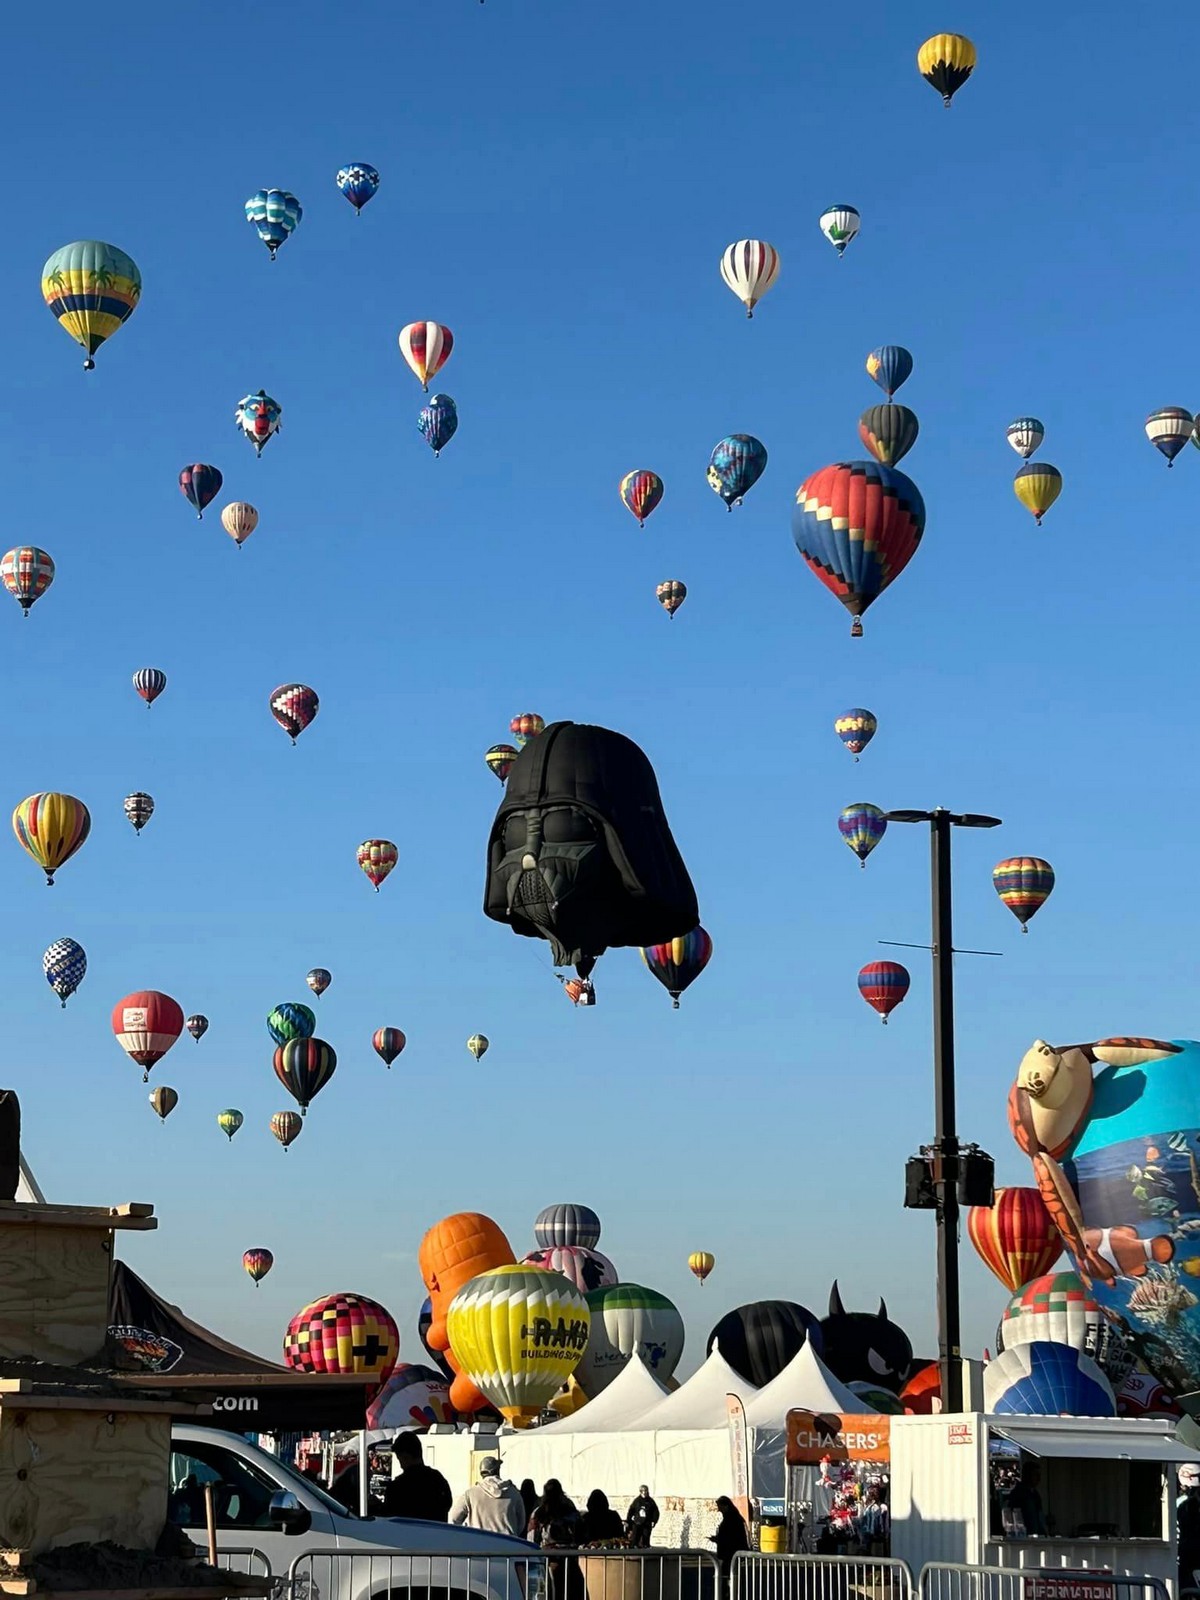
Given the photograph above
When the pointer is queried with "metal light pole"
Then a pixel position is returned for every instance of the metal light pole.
(946, 1147)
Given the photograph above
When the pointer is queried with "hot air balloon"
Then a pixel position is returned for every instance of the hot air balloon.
(229, 1121)
(890, 366)
(291, 1020)
(701, 1263)
(304, 1067)
(426, 346)
(840, 224)
(579, 991)
(139, 808)
(452, 1252)
(91, 289)
(567, 1224)
(149, 683)
(276, 214)
(413, 1397)
(862, 826)
(294, 705)
(65, 966)
(1015, 1236)
(525, 726)
(239, 519)
(287, 1127)
(889, 432)
(319, 980)
(628, 1320)
(164, 1101)
(857, 524)
(342, 1333)
(500, 758)
(946, 62)
(1024, 883)
(258, 416)
(438, 422)
(671, 595)
(735, 466)
(50, 827)
(1169, 430)
(856, 728)
(1037, 486)
(1025, 434)
(197, 1026)
(388, 1043)
(146, 1024)
(641, 491)
(679, 962)
(424, 1322)
(377, 857)
(359, 183)
(586, 1269)
(1046, 1380)
(201, 484)
(26, 573)
(258, 1263)
(518, 1334)
(760, 1339)
(478, 1044)
(1058, 1307)
(883, 984)
(749, 268)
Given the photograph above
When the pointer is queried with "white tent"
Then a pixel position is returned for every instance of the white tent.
(28, 1193)
(629, 1396)
(807, 1384)
(700, 1402)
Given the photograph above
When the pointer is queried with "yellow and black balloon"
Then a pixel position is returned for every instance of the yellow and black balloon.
(91, 288)
(946, 61)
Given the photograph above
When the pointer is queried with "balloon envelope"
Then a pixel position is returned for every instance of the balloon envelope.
(518, 1334)
(758, 1340)
(291, 1020)
(413, 1397)
(736, 465)
(1015, 1236)
(50, 828)
(65, 965)
(91, 288)
(629, 1320)
(567, 1224)
(342, 1333)
(1046, 1380)
(586, 1269)
(26, 572)
(862, 826)
(146, 1024)
(858, 524)
(1059, 1307)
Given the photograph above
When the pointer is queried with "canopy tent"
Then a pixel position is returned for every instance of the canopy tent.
(805, 1384)
(628, 1397)
(700, 1402)
(28, 1193)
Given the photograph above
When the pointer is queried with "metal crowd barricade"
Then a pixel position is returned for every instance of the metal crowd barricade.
(811, 1577)
(248, 1563)
(549, 1574)
(944, 1580)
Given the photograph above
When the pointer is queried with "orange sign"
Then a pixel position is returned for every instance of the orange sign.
(841, 1436)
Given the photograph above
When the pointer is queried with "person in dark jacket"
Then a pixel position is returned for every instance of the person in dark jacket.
(420, 1492)
(555, 1518)
(600, 1524)
(730, 1536)
(529, 1495)
(640, 1519)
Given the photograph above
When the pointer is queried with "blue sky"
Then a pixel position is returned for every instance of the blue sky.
(558, 184)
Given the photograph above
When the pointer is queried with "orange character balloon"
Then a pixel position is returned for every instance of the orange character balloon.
(455, 1250)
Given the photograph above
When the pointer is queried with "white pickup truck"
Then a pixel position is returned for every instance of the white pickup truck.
(273, 1521)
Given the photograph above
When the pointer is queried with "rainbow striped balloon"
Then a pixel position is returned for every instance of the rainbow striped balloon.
(1024, 883)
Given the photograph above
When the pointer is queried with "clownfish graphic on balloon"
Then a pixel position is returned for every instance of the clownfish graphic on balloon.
(1113, 1132)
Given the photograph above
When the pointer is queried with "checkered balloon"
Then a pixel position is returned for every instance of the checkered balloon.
(342, 1333)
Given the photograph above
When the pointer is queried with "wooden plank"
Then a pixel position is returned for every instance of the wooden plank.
(31, 1400)
(75, 1477)
(135, 1215)
(53, 1292)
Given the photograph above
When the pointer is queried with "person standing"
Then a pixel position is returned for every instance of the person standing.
(555, 1517)
(494, 1504)
(640, 1519)
(600, 1524)
(730, 1536)
(420, 1492)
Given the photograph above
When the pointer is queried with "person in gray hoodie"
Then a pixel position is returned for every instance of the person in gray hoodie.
(494, 1504)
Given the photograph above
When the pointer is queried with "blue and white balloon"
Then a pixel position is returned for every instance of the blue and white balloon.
(65, 966)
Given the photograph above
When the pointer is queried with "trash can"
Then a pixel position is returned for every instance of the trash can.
(772, 1536)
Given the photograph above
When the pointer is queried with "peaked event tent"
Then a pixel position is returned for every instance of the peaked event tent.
(627, 1398)
(805, 1384)
(700, 1402)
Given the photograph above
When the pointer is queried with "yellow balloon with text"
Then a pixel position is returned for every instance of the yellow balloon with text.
(518, 1333)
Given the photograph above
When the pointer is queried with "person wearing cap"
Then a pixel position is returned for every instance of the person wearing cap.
(494, 1504)
(1187, 1516)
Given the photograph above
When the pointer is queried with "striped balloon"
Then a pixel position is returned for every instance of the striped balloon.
(862, 826)
(700, 1263)
(149, 683)
(890, 366)
(50, 828)
(518, 1334)
(889, 432)
(1169, 430)
(388, 1043)
(567, 1224)
(641, 491)
(91, 288)
(164, 1101)
(677, 963)
(426, 346)
(342, 1333)
(294, 705)
(1015, 1237)
(287, 1127)
(1037, 486)
(858, 524)
(304, 1067)
(239, 519)
(883, 984)
(258, 1263)
(1024, 883)
(671, 595)
(749, 268)
(139, 808)
(200, 484)
(377, 857)
(500, 758)
(275, 214)
(526, 725)
(26, 573)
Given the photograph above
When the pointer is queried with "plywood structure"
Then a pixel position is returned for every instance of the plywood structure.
(55, 1263)
(73, 1470)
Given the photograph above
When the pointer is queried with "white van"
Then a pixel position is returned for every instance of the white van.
(273, 1521)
